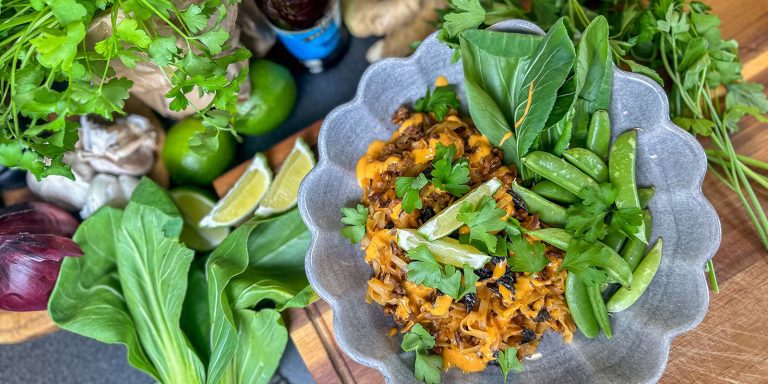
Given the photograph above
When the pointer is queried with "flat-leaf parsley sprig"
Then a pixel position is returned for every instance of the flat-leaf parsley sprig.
(49, 73)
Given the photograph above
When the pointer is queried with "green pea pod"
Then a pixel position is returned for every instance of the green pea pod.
(559, 171)
(577, 297)
(621, 169)
(642, 277)
(548, 211)
(599, 134)
(552, 191)
(645, 195)
(588, 162)
(634, 249)
(616, 268)
(598, 309)
(614, 239)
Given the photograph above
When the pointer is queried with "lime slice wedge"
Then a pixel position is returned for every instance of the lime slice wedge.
(194, 204)
(243, 198)
(445, 250)
(445, 222)
(284, 191)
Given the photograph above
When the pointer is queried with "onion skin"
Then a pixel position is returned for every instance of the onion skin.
(34, 239)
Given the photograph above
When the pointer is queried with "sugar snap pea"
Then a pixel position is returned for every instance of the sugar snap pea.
(614, 239)
(588, 162)
(599, 134)
(613, 264)
(548, 211)
(621, 168)
(633, 251)
(645, 195)
(642, 277)
(598, 309)
(577, 297)
(552, 191)
(559, 171)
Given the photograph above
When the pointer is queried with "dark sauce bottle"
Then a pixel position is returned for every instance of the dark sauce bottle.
(310, 29)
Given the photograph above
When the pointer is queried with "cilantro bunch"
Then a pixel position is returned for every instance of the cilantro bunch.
(50, 72)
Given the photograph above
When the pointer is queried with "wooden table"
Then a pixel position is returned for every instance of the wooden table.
(731, 344)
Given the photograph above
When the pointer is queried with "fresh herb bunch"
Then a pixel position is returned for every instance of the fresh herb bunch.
(50, 71)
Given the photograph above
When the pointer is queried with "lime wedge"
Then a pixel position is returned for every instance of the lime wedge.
(284, 191)
(446, 250)
(243, 198)
(193, 205)
(445, 222)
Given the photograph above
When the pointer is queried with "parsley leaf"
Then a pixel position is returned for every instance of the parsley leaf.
(582, 257)
(408, 188)
(355, 219)
(425, 270)
(447, 175)
(508, 362)
(418, 339)
(427, 368)
(627, 220)
(527, 257)
(439, 102)
(482, 219)
(587, 220)
(468, 285)
(467, 14)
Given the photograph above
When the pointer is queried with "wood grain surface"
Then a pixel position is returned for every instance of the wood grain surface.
(731, 344)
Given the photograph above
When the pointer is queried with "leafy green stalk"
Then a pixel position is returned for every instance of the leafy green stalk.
(49, 73)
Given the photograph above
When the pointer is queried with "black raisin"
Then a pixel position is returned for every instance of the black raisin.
(528, 336)
(543, 315)
(428, 171)
(470, 300)
(427, 213)
(483, 273)
(494, 287)
(508, 280)
(389, 225)
(438, 292)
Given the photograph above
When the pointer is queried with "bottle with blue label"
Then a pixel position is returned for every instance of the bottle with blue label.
(310, 29)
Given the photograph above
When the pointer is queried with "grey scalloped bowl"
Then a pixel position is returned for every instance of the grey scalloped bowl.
(668, 158)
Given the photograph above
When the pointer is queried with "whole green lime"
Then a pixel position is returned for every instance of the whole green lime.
(273, 93)
(187, 167)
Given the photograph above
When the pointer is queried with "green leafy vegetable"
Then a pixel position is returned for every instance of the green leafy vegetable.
(509, 362)
(439, 102)
(582, 258)
(408, 188)
(428, 366)
(512, 84)
(482, 219)
(527, 257)
(125, 287)
(261, 260)
(447, 175)
(355, 219)
(48, 73)
(425, 270)
(137, 285)
(587, 219)
(418, 339)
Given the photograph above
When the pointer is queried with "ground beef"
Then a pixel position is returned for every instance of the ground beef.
(402, 114)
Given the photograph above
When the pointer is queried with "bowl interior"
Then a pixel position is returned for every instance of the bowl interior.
(669, 159)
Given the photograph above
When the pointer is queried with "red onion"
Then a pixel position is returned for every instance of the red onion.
(34, 239)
